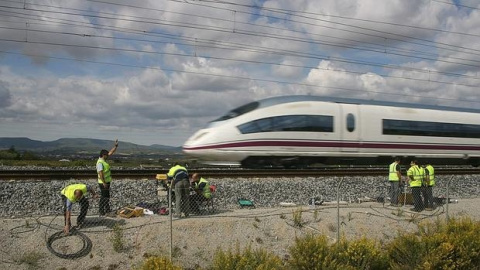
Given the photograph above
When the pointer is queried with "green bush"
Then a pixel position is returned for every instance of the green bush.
(10, 154)
(158, 263)
(311, 252)
(452, 245)
(258, 259)
(118, 242)
(297, 218)
(405, 250)
(440, 245)
(314, 252)
(361, 253)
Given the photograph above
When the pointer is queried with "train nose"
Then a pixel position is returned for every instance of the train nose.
(194, 141)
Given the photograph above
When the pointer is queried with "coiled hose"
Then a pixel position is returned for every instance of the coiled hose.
(84, 251)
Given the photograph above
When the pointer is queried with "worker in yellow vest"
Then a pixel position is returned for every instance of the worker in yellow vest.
(104, 179)
(178, 175)
(202, 192)
(70, 195)
(395, 179)
(428, 186)
(415, 177)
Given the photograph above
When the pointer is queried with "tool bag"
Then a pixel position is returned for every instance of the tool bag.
(245, 203)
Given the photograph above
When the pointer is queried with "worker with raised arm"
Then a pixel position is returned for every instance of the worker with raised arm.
(105, 179)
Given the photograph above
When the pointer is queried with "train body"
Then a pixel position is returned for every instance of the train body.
(297, 131)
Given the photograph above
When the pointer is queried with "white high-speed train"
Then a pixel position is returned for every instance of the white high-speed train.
(296, 131)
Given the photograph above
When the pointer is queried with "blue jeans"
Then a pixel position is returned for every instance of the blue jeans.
(83, 209)
(394, 191)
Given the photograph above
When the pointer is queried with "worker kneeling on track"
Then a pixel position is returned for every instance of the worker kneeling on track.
(70, 195)
(202, 192)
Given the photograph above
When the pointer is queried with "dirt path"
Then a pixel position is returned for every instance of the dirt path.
(195, 239)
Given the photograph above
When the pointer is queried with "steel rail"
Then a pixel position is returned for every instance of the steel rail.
(65, 174)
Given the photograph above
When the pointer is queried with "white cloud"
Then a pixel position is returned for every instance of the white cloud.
(5, 97)
(288, 69)
(203, 61)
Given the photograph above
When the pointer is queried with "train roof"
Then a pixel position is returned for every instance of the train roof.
(263, 103)
(296, 98)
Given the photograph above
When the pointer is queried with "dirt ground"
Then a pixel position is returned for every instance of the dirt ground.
(119, 243)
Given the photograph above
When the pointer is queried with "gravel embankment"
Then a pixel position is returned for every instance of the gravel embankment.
(33, 198)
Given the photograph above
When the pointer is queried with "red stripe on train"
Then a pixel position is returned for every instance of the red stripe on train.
(363, 145)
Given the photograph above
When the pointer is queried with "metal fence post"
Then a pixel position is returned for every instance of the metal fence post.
(385, 193)
(171, 218)
(338, 209)
(448, 196)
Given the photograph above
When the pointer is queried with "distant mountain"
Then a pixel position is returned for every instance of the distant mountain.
(83, 145)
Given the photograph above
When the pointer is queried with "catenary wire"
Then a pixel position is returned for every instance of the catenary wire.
(295, 13)
(140, 19)
(211, 57)
(454, 83)
(230, 59)
(264, 49)
(455, 3)
(429, 71)
(271, 27)
(339, 16)
(248, 78)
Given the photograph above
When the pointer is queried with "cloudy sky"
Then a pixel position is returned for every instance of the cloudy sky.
(155, 71)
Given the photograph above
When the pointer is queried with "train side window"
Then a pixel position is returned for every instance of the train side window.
(239, 111)
(299, 123)
(350, 122)
(430, 129)
(260, 125)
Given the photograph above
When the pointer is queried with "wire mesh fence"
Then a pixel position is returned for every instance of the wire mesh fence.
(267, 213)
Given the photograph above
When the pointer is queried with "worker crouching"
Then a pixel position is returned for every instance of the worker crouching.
(72, 194)
(201, 187)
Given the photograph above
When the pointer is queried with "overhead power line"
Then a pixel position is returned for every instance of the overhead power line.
(207, 57)
(294, 12)
(243, 78)
(455, 4)
(391, 51)
(299, 14)
(238, 46)
(140, 19)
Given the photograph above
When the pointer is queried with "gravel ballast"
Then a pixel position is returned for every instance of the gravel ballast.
(34, 198)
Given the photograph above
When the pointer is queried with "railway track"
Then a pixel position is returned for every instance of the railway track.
(65, 174)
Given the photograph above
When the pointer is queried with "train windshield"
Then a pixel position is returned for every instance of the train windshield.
(239, 111)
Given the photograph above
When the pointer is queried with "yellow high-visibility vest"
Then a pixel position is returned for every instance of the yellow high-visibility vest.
(177, 171)
(417, 174)
(392, 176)
(206, 189)
(107, 175)
(69, 191)
(431, 174)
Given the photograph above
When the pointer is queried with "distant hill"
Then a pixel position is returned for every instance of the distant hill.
(81, 145)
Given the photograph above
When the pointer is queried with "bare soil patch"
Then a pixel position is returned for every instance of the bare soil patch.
(195, 239)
